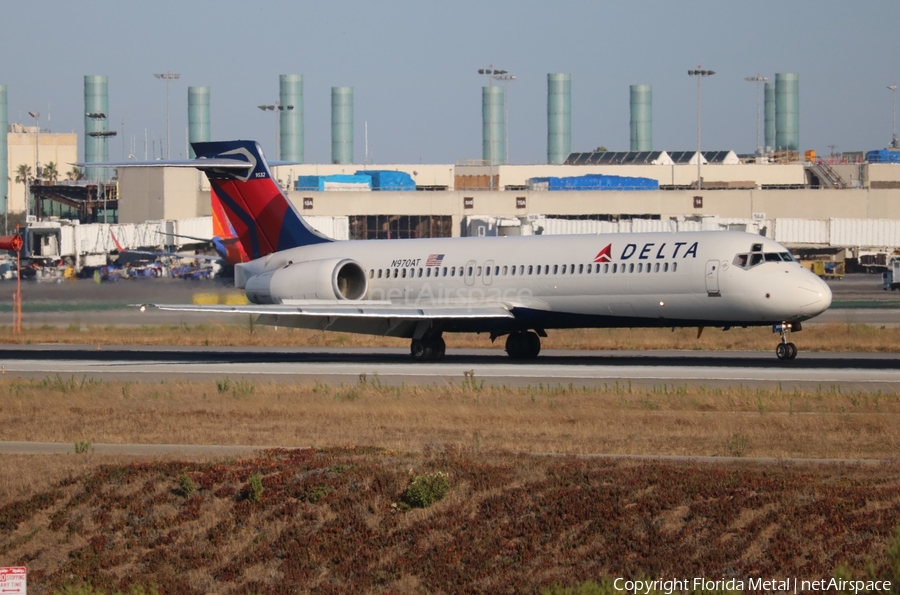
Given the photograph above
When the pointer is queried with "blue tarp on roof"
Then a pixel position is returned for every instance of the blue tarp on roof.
(883, 156)
(388, 179)
(595, 182)
(314, 183)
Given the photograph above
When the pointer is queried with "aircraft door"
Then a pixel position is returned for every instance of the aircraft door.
(470, 272)
(712, 278)
(488, 276)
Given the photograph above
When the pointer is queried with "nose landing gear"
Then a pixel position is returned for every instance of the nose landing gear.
(785, 350)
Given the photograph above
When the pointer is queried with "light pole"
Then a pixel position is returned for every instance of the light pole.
(102, 135)
(277, 107)
(758, 80)
(699, 74)
(894, 144)
(37, 153)
(168, 77)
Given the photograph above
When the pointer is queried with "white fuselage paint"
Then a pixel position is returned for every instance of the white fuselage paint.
(687, 277)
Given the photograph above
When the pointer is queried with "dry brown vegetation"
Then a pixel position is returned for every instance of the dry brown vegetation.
(328, 521)
(815, 337)
(513, 521)
(667, 419)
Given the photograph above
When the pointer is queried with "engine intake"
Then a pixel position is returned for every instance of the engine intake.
(336, 278)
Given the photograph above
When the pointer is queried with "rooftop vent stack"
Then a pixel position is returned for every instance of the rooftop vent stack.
(770, 116)
(290, 117)
(4, 152)
(559, 118)
(493, 125)
(96, 124)
(787, 112)
(342, 125)
(198, 116)
(641, 118)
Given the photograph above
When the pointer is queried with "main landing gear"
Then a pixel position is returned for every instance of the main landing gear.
(428, 348)
(523, 345)
(785, 350)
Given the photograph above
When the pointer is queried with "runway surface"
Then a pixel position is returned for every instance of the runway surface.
(810, 371)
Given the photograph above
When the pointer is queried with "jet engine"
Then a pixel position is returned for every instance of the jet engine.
(335, 278)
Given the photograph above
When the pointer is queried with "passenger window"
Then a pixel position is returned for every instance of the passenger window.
(640, 267)
(538, 269)
(674, 266)
(452, 271)
(444, 274)
(379, 273)
(504, 269)
(478, 273)
(556, 269)
(546, 269)
(631, 268)
(665, 267)
(403, 274)
(521, 269)
(581, 269)
(615, 267)
(530, 269)
(605, 268)
(497, 270)
(420, 273)
(428, 272)
(460, 271)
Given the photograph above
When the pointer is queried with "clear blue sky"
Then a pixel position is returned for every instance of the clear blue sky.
(412, 65)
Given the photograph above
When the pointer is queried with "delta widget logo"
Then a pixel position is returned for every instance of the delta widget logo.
(604, 255)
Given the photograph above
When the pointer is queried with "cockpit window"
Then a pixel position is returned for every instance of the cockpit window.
(746, 261)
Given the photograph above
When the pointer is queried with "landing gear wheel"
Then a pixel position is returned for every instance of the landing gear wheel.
(523, 345)
(791, 350)
(438, 348)
(428, 349)
(420, 350)
(786, 351)
(780, 351)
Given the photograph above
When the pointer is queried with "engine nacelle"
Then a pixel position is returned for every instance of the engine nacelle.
(335, 278)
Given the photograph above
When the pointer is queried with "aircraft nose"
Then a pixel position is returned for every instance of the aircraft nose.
(815, 296)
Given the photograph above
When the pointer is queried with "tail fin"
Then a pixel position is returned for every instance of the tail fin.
(263, 218)
(224, 237)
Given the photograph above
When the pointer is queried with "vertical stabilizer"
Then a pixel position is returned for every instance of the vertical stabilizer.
(263, 218)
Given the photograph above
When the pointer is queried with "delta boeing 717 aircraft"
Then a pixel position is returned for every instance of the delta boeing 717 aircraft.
(517, 287)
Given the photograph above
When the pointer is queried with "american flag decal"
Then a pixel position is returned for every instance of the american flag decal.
(434, 260)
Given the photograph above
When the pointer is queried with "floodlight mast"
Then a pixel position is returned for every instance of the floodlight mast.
(758, 79)
(277, 107)
(168, 77)
(894, 144)
(699, 73)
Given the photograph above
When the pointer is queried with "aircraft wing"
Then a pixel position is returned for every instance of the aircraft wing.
(345, 309)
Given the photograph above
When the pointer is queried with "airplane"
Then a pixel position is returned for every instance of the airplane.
(518, 287)
(224, 240)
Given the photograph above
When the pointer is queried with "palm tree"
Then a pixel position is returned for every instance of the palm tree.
(51, 174)
(75, 174)
(24, 177)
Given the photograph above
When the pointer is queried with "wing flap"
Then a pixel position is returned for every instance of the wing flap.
(348, 309)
